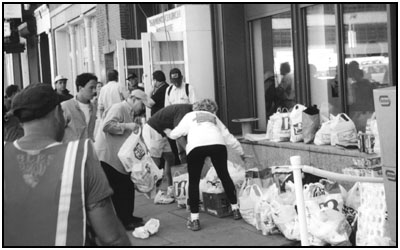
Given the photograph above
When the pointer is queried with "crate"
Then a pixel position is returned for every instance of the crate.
(217, 204)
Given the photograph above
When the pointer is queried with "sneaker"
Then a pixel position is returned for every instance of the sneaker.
(236, 214)
(193, 225)
(162, 198)
(170, 191)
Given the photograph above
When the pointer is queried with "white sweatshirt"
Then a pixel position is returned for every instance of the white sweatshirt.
(204, 128)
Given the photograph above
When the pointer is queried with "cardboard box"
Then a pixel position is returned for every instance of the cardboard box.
(217, 204)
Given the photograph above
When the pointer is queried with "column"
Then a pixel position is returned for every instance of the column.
(87, 20)
(52, 70)
(71, 29)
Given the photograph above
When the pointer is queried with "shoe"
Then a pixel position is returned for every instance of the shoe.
(136, 219)
(193, 225)
(131, 226)
(162, 198)
(236, 214)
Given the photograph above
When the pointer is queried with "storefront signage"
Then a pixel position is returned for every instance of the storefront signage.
(12, 11)
(384, 100)
(170, 20)
(7, 29)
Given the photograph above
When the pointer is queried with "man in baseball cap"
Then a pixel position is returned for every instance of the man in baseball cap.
(133, 82)
(60, 83)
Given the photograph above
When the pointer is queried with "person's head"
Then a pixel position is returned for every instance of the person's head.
(112, 75)
(60, 83)
(39, 104)
(285, 68)
(138, 99)
(205, 105)
(86, 87)
(175, 76)
(99, 85)
(133, 81)
(11, 91)
(158, 76)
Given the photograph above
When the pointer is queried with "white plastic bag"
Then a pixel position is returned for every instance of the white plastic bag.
(372, 128)
(296, 123)
(280, 126)
(263, 212)
(286, 219)
(132, 151)
(247, 202)
(181, 186)
(343, 130)
(323, 135)
(145, 175)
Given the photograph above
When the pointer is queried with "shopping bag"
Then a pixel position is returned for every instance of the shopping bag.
(310, 122)
(281, 126)
(343, 130)
(323, 135)
(296, 123)
(181, 186)
(286, 219)
(133, 150)
(145, 175)
(263, 212)
(372, 128)
(247, 201)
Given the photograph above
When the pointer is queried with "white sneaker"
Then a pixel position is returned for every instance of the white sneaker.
(162, 198)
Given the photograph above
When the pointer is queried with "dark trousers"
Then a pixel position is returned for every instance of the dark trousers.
(124, 193)
(195, 160)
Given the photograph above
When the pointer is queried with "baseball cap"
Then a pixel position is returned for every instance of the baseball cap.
(133, 75)
(60, 77)
(175, 74)
(139, 94)
(34, 101)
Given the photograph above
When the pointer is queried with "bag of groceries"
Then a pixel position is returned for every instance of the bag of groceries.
(296, 123)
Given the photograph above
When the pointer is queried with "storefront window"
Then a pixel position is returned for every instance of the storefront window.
(322, 58)
(273, 65)
(366, 57)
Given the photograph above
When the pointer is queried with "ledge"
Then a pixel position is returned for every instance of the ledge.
(323, 149)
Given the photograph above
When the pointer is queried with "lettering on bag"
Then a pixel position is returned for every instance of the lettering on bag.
(180, 188)
(285, 123)
(298, 128)
(139, 151)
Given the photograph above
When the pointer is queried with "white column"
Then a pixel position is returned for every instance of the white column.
(51, 51)
(71, 29)
(88, 34)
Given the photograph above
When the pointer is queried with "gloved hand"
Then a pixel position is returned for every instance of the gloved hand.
(131, 125)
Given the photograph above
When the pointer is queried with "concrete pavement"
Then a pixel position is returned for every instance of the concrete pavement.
(214, 231)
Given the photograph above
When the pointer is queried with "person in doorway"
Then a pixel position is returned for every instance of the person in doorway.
(285, 91)
(118, 124)
(133, 82)
(269, 94)
(111, 93)
(95, 99)
(12, 128)
(178, 93)
(157, 142)
(53, 191)
(60, 83)
(207, 136)
(158, 92)
(79, 112)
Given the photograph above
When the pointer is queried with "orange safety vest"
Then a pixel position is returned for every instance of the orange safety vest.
(44, 198)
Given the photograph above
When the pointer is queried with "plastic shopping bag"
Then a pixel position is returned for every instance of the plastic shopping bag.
(372, 128)
(343, 130)
(323, 135)
(286, 219)
(310, 124)
(181, 186)
(145, 175)
(263, 212)
(132, 151)
(247, 202)
(281, 126)
(296, 123)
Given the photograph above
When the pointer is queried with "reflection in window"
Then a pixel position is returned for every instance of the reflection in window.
(322, 58)
(272, 65)
(366, 57)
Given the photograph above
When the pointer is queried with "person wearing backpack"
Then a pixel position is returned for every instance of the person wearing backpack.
(178, 93)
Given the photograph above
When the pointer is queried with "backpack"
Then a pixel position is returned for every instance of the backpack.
(186, 89)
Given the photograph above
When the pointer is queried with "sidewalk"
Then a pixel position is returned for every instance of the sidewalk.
(214, 231)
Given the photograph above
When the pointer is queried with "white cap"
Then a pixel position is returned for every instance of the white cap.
(60, 77)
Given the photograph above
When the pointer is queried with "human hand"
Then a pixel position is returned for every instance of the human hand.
(167, 131)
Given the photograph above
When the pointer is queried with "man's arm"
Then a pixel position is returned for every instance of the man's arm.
(106, 225)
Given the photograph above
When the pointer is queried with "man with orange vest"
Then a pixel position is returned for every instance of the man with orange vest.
(53, 191)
